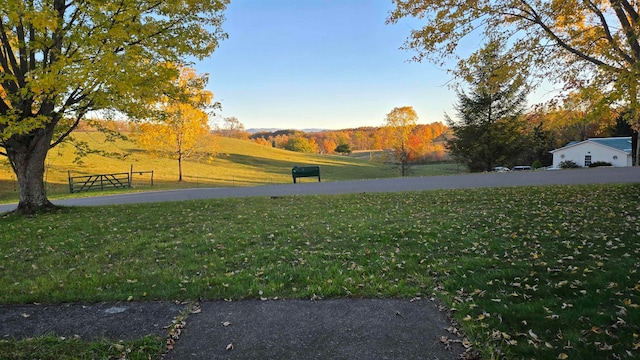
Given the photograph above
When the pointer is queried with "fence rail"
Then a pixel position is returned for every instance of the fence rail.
(98, 182)
(104, 181)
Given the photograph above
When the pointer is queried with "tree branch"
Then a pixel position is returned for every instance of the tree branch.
(5, 59)
(22, 54)
(629, 31)
(12, 61)
(633, 14)
(32, 53)
(537, 20)
(73, 126)
(4, 107)
(607, 30)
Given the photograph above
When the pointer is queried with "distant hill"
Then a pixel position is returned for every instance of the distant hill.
(258, 130)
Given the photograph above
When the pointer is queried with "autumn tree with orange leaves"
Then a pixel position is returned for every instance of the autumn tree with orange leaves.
(400, 123)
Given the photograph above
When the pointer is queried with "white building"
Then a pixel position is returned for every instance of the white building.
(614, 150)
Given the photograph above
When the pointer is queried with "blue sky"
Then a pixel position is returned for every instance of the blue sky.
(328, 64)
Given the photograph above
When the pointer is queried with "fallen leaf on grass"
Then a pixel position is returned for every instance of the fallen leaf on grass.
(533, 335)
(561, 283)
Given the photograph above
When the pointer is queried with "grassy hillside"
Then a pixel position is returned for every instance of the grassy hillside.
(238, 163)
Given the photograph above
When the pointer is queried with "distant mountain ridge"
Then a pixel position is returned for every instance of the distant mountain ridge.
(257, 130)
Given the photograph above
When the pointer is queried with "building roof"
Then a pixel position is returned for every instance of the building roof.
(620, 143)
(617, 143)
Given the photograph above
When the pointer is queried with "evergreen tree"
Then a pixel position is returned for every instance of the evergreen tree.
(343, 149)
(489, 129)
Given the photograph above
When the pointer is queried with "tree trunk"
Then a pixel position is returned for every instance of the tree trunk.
(635, 149)
(180, 167)
(635, 124)
(27, 154)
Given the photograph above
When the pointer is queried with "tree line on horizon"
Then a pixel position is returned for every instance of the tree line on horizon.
(426, 139)
(543, 127)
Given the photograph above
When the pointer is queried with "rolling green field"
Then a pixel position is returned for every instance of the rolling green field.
(237, 163)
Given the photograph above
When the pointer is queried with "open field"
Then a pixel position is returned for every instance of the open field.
(237, 163)
(528, 272)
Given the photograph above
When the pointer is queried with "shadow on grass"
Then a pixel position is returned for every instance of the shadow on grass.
(8, 190)
(330, 168)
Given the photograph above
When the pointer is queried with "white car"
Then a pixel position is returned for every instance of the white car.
(501, 169)
(521, 167)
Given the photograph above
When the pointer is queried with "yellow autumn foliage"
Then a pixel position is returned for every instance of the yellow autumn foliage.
(183, 129)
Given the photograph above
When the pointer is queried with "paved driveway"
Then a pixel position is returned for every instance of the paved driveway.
(599, 175)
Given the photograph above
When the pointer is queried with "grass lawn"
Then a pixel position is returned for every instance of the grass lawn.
(529, 272)
(50, 347)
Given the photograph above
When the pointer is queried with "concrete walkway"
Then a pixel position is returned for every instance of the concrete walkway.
(253, 329)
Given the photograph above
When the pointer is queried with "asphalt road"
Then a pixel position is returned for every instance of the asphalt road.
(599, 175)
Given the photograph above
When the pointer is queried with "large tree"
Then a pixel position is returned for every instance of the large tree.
(580, 43)
(62, 59)
(489, 130)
